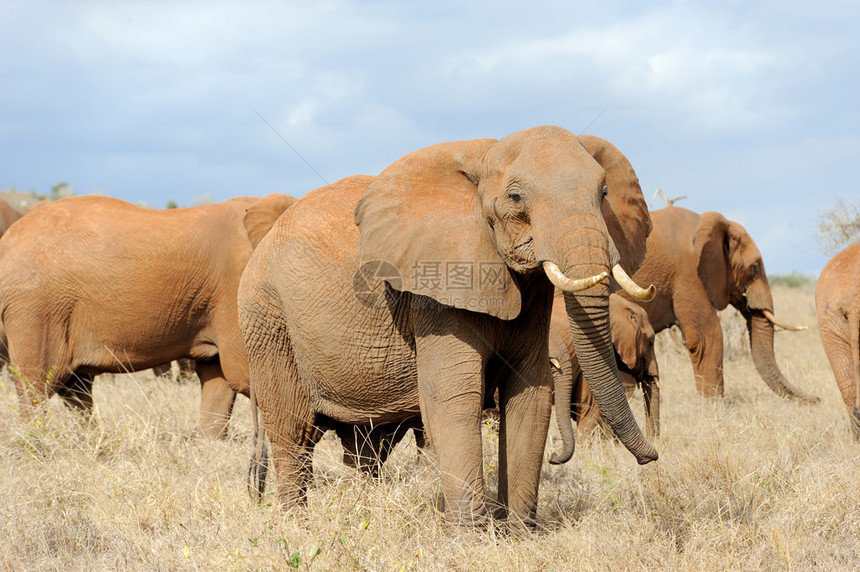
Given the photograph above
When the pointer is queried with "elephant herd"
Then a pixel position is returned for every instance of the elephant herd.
(524, 274)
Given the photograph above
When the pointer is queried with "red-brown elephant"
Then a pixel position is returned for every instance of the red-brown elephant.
(701, 264)
(379, 299)
(92, 285)
(837, 302)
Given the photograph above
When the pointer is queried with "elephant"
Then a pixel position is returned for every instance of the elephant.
(837, 303)
(92, 285)
(701, 264)
(391, 299)
(8, 215)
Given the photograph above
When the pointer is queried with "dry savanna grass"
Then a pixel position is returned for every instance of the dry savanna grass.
(752, 481)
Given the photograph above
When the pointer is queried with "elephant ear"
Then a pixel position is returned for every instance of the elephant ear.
(711, 243)
(423, 216)
(625, 327)
(261, 216)
(624, 208)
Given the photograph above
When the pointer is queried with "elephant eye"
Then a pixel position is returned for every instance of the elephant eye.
(754, 269)
(604, 191)
(515, 196)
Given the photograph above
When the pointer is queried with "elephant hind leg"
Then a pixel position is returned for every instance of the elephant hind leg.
(216, 400)
(839, 354)
(39, 363)
(77, 393)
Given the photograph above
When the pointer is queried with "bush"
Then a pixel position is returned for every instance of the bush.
(793, 280)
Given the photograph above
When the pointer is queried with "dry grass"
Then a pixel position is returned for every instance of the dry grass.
(752, 481)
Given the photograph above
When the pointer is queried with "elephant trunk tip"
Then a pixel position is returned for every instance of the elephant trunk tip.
(647, 456)
(561, 458)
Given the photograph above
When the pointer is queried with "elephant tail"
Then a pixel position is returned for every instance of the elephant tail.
(259, 466)
(854, 333)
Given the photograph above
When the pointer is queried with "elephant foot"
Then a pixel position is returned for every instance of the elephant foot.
(470, 517)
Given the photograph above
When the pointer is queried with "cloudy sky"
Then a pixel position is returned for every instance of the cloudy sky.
(748, 108)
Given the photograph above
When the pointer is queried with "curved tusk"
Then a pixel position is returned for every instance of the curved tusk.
(629, 286)
(772, 319)
(562, 282)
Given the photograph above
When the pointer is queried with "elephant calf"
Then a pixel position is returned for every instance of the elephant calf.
(837, 302)
(92, 285)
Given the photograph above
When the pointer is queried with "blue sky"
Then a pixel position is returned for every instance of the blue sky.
(748, 108)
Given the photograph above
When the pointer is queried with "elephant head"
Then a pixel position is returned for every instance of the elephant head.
(731, 269)
(633, 338)
(505, 212)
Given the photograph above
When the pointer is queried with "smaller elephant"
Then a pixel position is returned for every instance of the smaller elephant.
(837, 302)
(92, 285)
(633, 338)
(701, 263)
(367, 448)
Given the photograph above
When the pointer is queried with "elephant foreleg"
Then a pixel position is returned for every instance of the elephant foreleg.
(450, 388)
(216, 400)
(525, 414)
(703, 337)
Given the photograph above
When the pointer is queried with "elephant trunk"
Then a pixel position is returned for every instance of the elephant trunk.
(562, 380)
(761, 345)
(588, 317)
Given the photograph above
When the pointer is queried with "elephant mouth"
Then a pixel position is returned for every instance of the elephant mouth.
(528, 240)
(522, 255)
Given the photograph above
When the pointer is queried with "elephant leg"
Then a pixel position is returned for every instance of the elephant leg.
(703, 337)
(77, 393)
(525, 405)
(37, 364)
(361, 447)
(367, 448)
(838, 350)
(216, 400)
(450, 388)
(293, 435)
(651, 392)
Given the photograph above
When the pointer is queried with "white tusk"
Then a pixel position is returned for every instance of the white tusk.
(772, 319)
(562, 282)
(629, 286)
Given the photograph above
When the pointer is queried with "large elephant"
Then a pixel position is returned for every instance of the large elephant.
(376, 300)
(633, 338)
(701, 264)
(90, 285)
(837, 303)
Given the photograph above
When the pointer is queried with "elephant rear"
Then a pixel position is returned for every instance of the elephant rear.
(837, 303)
